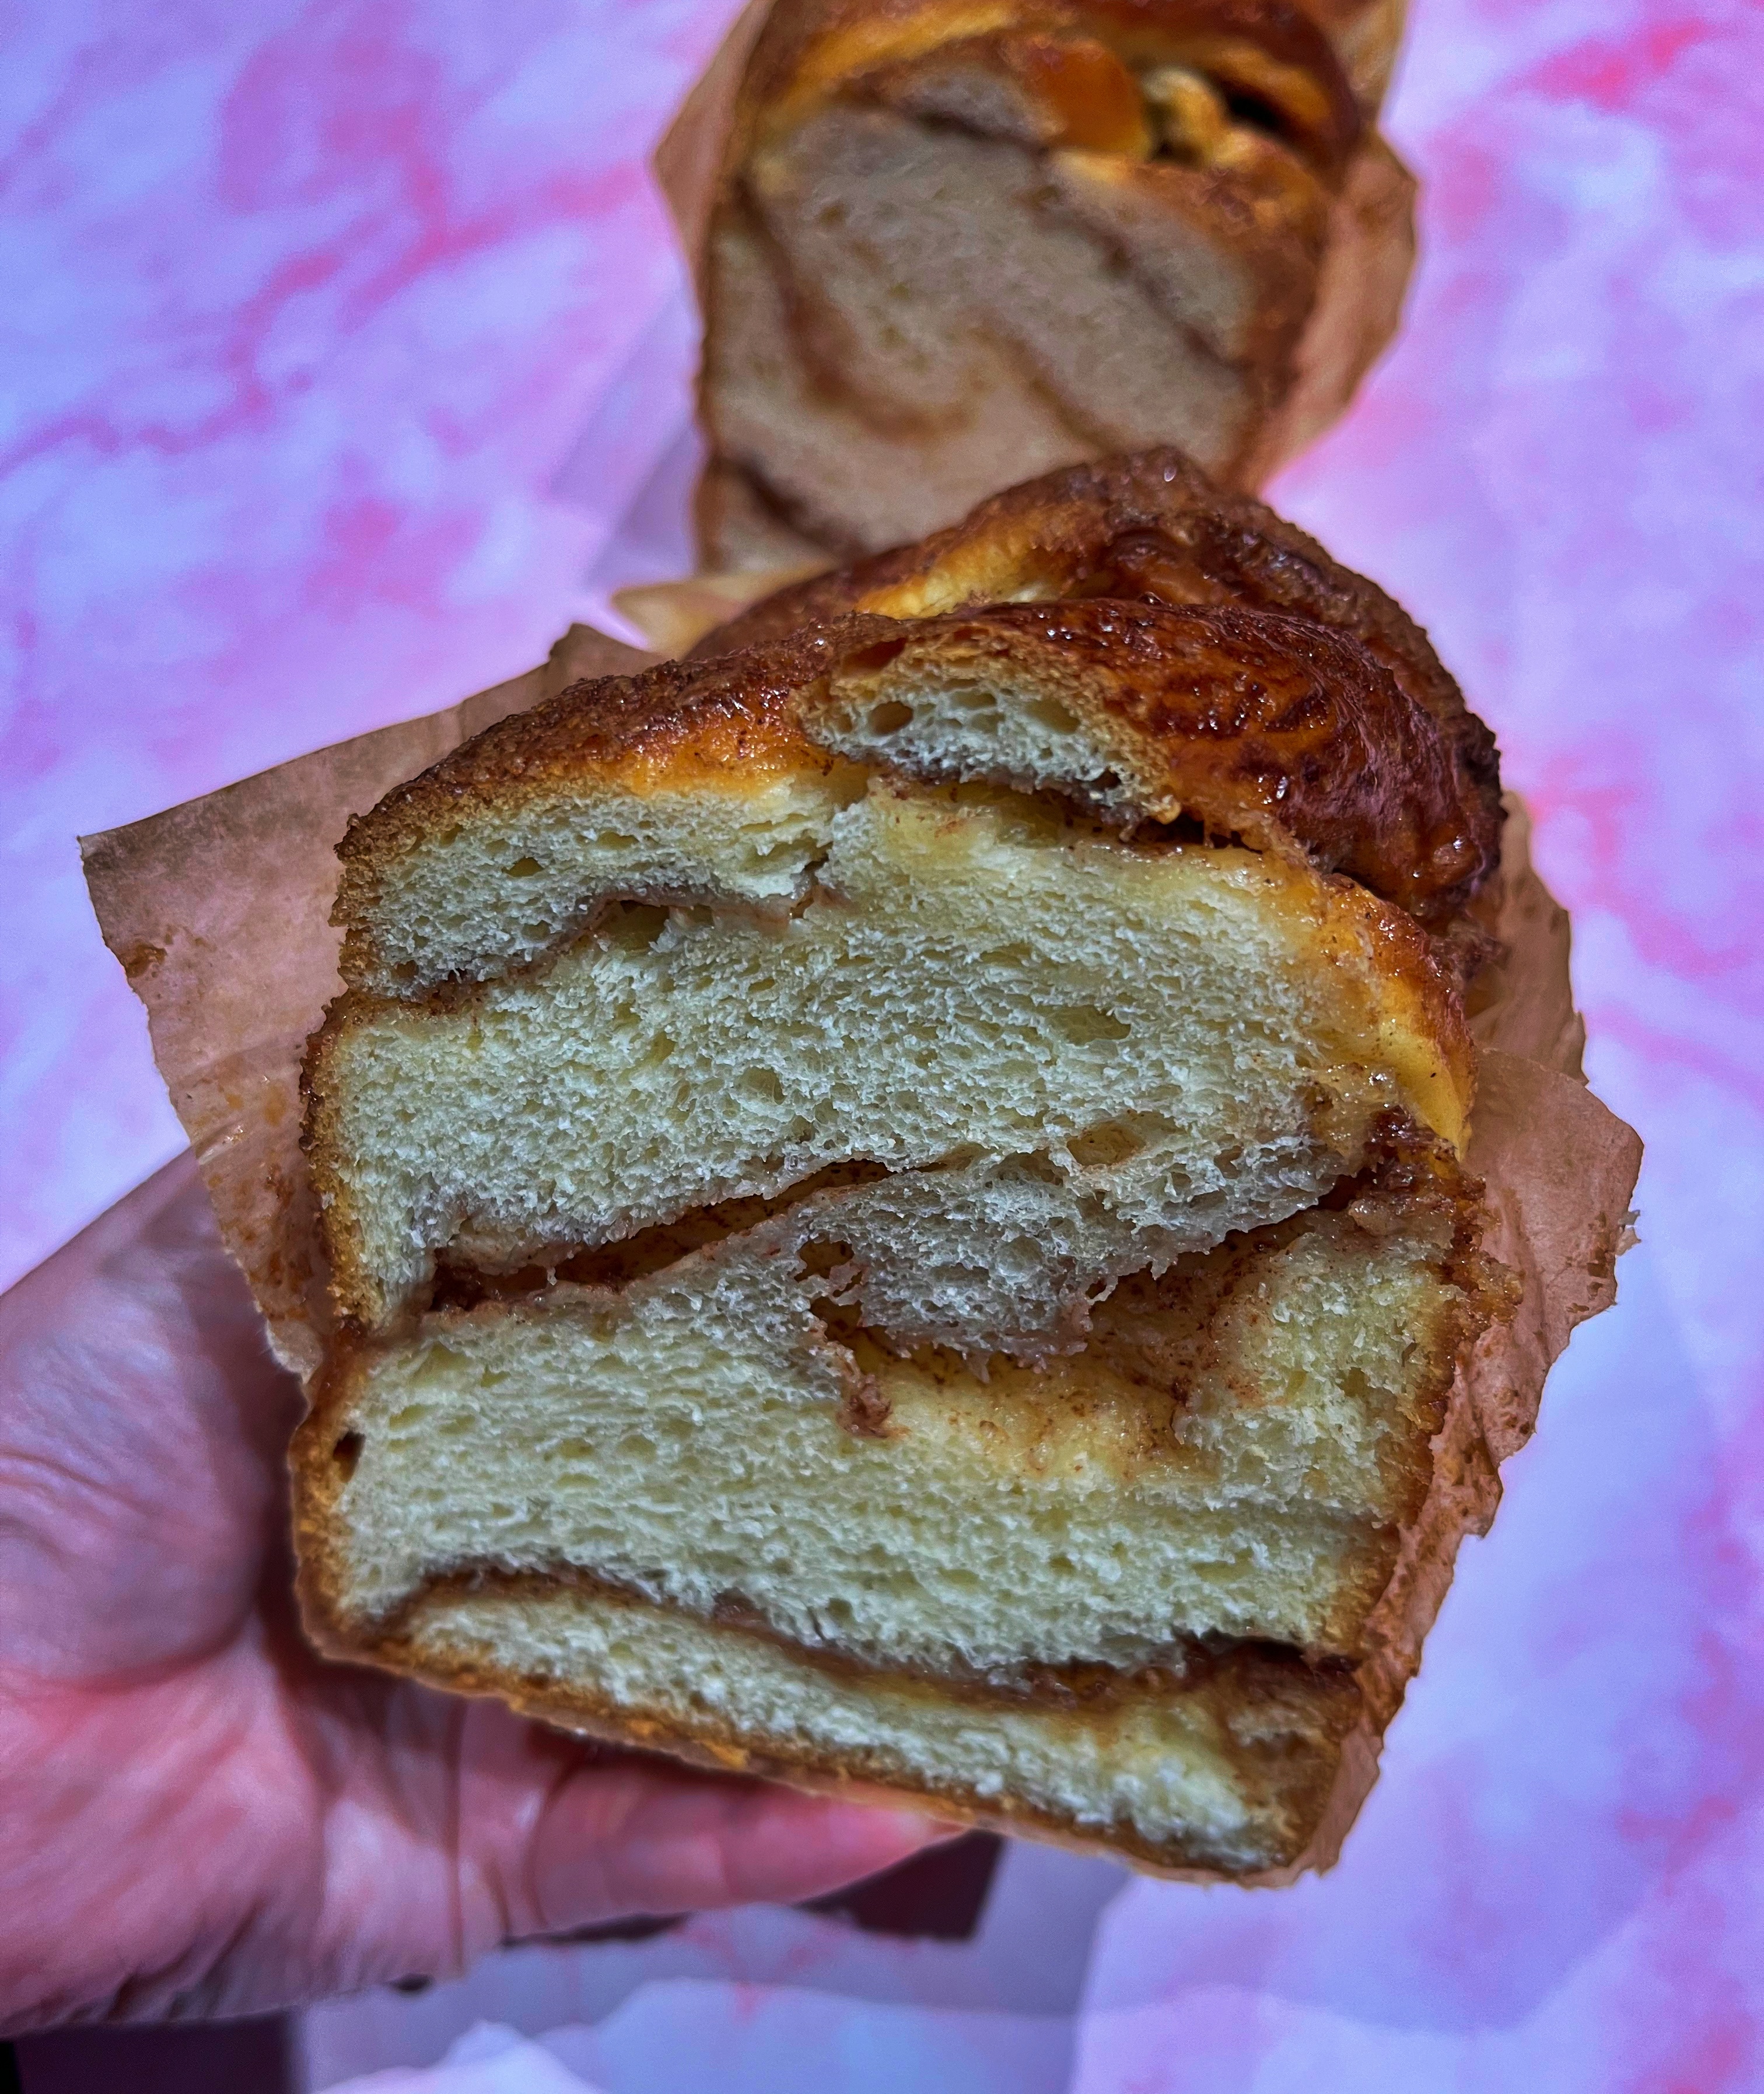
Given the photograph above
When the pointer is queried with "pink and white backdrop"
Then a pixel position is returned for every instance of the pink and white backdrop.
(346, 358)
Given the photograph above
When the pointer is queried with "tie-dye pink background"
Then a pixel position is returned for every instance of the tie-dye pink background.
(345, 357)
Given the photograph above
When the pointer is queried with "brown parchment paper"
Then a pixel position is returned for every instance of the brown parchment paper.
(1367, 35)
(1560, 1171)
(219, 911)
(674, 616)
(1367, 259)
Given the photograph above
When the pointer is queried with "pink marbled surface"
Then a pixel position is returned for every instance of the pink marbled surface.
(342, 341)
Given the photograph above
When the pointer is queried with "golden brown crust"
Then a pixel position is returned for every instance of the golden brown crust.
(1270, 52)
(1150, 528)
(1249, 723)
(676, 725)
(673, 724)
(1256, 724)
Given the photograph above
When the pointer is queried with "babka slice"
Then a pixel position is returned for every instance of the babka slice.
(939, 248)
(896, 1207)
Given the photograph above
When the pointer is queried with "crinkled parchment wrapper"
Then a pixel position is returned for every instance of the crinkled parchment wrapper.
(1367, 261)
(219, 911)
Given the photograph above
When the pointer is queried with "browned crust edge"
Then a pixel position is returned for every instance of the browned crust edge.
(677, 723)
(1150, 527)
(1258, 723)
(681, 725)
(1148, 530)
(1352, 751)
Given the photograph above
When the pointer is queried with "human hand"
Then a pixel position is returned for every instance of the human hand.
(198, 1816)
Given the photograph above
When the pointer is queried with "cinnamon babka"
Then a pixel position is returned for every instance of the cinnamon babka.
(896, 1194)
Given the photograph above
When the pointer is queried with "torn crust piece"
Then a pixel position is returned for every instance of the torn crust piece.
(1151, 528)
(939, 247)
(896, 1208)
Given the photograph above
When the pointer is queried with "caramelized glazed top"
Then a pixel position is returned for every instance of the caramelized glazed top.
(680, 724)
(1256, 724)
(1152, 529)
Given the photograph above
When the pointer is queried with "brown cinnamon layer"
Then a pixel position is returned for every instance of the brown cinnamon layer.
(462, 1281)
(1236, 1668)
(1277, 1723)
